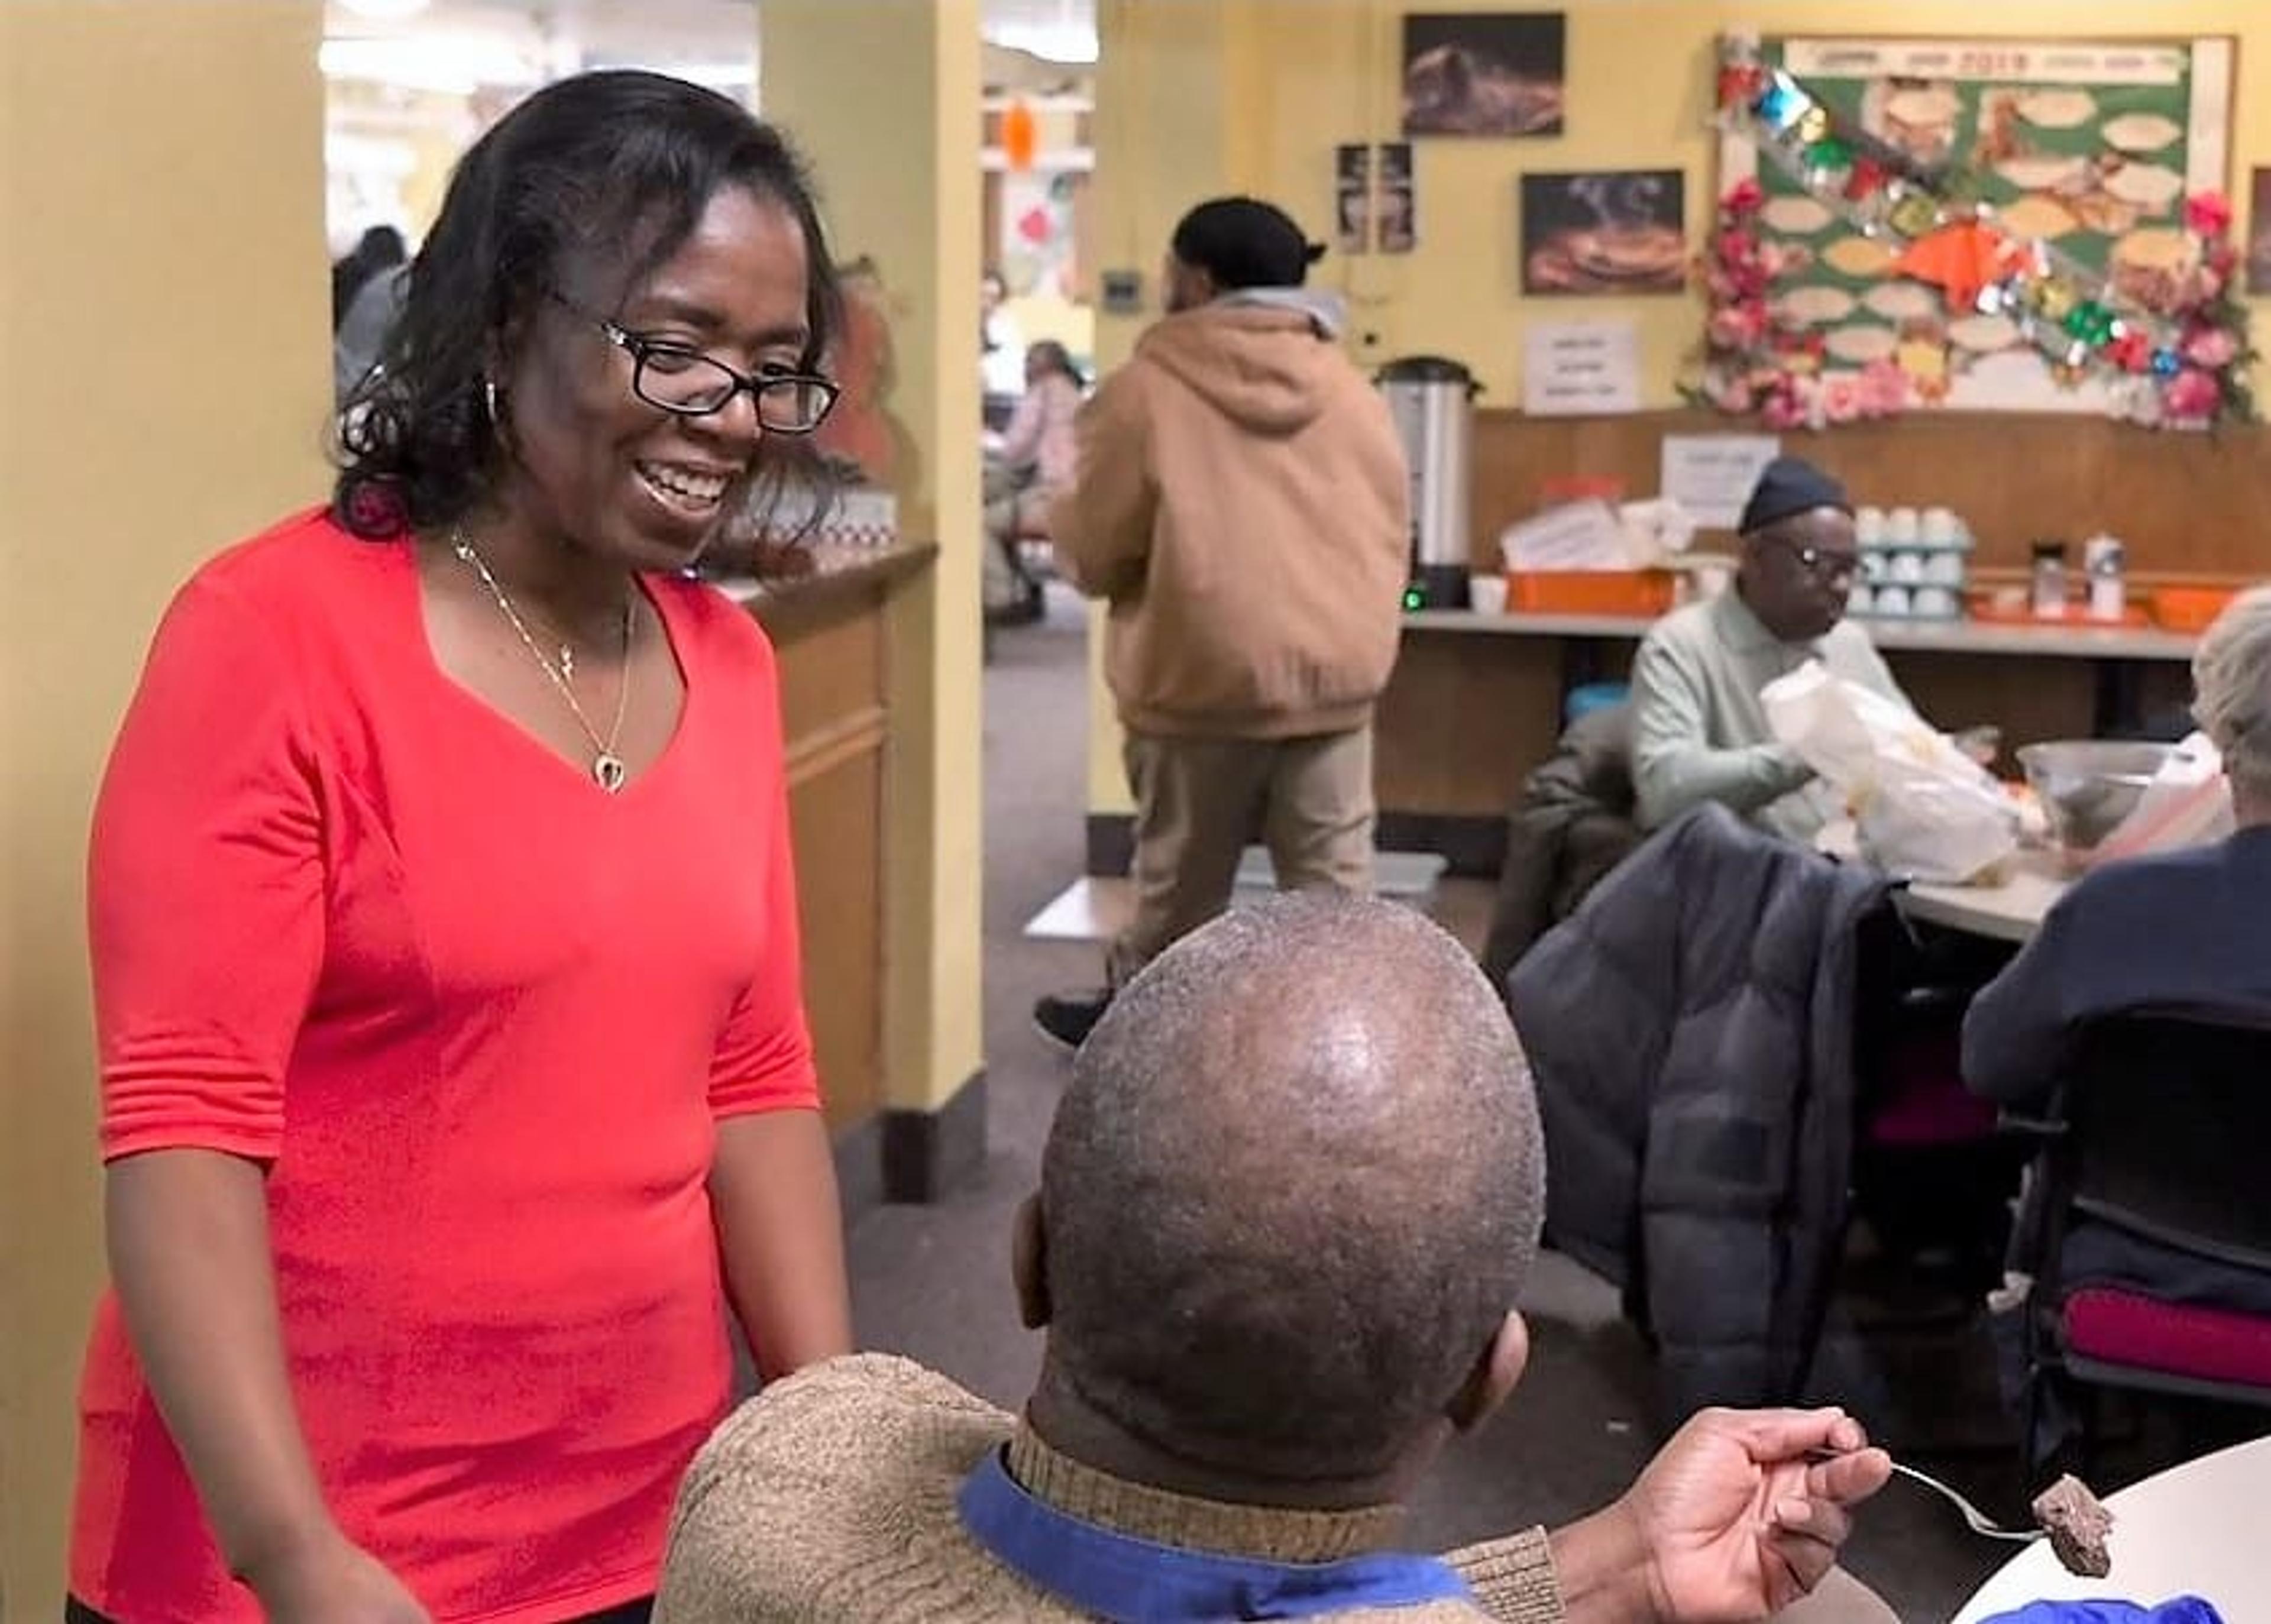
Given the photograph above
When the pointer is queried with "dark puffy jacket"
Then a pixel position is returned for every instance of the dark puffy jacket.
(1692, 1031)
(1573, 824)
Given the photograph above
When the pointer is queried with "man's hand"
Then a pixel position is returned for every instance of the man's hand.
(1738, 1519)
(330, 1581)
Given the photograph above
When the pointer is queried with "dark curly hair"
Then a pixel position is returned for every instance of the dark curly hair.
(621, 163)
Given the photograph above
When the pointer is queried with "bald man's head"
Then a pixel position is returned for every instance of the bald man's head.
(1292, 1191)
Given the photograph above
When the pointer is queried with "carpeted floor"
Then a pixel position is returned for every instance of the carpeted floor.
(932, 1282)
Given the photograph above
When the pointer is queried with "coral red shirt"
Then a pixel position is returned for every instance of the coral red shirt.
(480, 1020)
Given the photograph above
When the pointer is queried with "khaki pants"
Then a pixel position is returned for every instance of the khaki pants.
(1198, 801)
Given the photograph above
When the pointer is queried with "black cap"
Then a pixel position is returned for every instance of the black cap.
(1790, 486)
(1244, 243)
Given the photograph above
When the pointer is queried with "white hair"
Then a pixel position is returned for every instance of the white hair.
(2231, 690)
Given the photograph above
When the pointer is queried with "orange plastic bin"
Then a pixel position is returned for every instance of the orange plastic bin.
(1647, 592)
(2189, 608)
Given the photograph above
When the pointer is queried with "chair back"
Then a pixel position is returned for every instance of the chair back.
(2169, 1126)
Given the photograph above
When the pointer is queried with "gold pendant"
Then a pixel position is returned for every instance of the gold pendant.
(609, 770)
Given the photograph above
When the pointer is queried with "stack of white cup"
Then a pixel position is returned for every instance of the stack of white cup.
(1914, 564)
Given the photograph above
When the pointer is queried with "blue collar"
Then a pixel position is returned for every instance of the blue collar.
(1130, 1581)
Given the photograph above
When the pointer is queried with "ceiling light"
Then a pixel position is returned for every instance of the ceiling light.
(452, 66)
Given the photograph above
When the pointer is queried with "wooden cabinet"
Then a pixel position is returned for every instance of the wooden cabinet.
(830, 633)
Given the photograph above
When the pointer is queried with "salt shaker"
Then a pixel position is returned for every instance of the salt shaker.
(2047, 593)
(2103, 560)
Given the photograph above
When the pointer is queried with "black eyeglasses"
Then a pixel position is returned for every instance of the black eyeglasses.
(681, 379)
(1824, 566)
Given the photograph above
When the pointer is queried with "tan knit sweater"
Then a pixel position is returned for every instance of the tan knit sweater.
(830, 1499)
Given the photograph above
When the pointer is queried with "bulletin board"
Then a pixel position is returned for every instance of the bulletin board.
(2093, 146)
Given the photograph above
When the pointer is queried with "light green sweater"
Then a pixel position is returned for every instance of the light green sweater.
(830, 1497)
(1700, 733)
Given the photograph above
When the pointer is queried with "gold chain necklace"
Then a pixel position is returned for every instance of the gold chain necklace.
(607, 768)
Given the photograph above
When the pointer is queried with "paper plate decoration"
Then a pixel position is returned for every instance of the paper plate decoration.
(2163, 323)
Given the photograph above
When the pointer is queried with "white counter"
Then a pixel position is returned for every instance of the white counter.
(2078, 641)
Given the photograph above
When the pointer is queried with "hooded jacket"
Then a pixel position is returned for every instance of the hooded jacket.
(1242, 504)
(1573, 824)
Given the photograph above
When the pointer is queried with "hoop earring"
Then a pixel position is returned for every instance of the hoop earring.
(489, 396)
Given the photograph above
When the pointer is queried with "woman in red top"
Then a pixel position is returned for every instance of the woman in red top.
(455, 1072)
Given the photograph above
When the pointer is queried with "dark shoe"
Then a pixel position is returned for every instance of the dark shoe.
(1068, 1017)
(1026, 609)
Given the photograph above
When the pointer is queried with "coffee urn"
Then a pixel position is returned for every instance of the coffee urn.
(1432, 401)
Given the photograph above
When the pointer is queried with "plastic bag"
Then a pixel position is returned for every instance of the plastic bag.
(1923, 809)
(2187, 803)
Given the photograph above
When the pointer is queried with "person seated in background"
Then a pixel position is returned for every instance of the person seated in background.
(1001, 342)
(1287, 1206)
(2175, 933)
(1572, 825)
(379, 248)
(369, 316)
(1699, 730)
(1028, 466)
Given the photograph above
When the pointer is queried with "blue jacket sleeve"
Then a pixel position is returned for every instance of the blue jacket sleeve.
(2019, 1035)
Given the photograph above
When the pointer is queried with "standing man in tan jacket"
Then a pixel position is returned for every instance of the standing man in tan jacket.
(1242, 505)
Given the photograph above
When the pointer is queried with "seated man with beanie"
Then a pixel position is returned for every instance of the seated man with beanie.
(1240, 504)
(1287, 1206)
(1699, 730)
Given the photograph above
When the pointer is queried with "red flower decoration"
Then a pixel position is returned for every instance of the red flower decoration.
(2192, 395)
(1867, 179)
(2132, 352)
(1739, 83)
(2207, 214)
(1746, 199)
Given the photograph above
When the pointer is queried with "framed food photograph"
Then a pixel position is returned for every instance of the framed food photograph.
(2259, 231)
(1352, 198)
(1484, 73)
(1399, 202)
(1604, 232)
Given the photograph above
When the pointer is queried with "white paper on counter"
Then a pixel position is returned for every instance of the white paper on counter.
(1578, 535)
(1656, 531)
(1580, 368)
(1711, 475)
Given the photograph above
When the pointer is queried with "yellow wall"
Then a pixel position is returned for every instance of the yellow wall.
(1303, 75)
(904, 189)
(164, 376)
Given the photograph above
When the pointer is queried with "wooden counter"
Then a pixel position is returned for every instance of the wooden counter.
(2076, 640)
(829, 630)
(1475, 701)
(2189, 505)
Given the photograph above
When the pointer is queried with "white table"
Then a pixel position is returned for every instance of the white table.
(2010, 911)
(2201, 1529)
